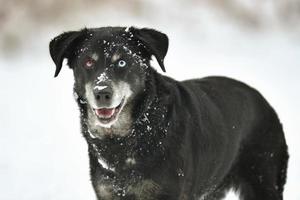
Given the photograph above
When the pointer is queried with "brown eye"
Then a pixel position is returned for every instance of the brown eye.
(89, 63)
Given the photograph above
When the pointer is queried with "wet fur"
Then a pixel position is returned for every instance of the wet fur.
(189, 140)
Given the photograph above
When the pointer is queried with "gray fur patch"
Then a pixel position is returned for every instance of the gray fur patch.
(146, 190)
(122, 124)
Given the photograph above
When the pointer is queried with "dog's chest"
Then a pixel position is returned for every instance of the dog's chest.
(123, 163)
(124, 155)
(144, 144)
(118, 157)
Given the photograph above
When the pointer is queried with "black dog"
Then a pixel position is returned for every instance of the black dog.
(153, 138)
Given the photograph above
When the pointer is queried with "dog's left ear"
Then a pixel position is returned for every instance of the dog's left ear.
(60, 48)
(156, 42)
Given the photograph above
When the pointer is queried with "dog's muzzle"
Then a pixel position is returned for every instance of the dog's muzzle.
(107, 106)
(106, 101)
(106, 115)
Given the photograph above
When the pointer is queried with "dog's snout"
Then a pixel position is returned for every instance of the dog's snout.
(104, 95)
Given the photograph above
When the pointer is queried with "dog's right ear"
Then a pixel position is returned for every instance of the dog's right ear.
(61, 46)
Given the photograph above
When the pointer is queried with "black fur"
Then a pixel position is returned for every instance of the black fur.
(190, 139)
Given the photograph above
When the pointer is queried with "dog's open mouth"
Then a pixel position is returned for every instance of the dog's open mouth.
(107, 115)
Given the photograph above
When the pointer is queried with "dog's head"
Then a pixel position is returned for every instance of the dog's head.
(110, 65)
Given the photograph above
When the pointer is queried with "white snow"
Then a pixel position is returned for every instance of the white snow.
(43, 155)
(105, 165)
(101, 161)
(127, 29)
(95, 56)
(130, 161)
(103, 77)
(75, 95)
(100, 87)
(91, 134)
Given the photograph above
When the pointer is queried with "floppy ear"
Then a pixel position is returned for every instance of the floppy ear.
(156, 42)
(60, 48)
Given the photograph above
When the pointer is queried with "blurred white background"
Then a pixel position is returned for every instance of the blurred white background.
(42, 153)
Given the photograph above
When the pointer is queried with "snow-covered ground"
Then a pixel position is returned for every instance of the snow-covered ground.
(42, 154)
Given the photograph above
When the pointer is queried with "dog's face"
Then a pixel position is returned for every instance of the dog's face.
(110, 66)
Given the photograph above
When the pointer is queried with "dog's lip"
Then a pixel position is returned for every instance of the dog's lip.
(105, 112)
(106, 115)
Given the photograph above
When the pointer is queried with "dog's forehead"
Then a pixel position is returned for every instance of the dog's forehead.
(111, 36)
(107, 41)
(109, 46)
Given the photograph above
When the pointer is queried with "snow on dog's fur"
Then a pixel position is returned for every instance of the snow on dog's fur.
(151, 137)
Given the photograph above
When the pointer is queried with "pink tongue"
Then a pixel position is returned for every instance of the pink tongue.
(104, 112)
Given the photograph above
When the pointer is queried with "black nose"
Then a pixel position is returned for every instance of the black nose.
(103, 96)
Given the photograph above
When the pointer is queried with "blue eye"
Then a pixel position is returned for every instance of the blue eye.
(121, 63)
